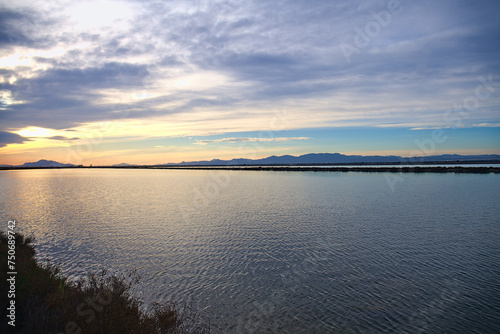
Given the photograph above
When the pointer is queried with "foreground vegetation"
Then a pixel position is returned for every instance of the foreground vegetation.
(46, 302)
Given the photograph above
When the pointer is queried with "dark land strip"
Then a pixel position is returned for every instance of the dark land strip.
(426, 169)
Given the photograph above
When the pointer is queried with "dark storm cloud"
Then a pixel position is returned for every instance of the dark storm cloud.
(11, 138)
(10, 29)
(108, 75)
(61, 98)
(24, 27)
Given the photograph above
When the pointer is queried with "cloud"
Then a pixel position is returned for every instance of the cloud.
(246, 140)
(16, 27)
(62, 138)
(487, 125)
(11, 138)
(202, 61)
(63, 98)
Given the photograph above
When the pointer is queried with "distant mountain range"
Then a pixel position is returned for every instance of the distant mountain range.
(41, 163)
(337, 158)
(306, 159)
(123, 164)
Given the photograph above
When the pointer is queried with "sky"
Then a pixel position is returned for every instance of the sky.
(149, 82)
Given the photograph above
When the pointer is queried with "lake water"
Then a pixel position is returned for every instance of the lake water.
(279, 252)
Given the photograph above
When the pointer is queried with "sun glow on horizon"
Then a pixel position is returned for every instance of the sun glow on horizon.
(33, 131)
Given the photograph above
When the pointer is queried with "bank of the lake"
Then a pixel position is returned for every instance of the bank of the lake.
(42, 300)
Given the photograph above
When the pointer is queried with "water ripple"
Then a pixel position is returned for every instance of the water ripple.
(280, 253)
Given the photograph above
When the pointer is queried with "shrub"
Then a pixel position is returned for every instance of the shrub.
(46, 302)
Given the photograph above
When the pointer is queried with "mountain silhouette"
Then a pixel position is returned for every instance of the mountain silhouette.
(45, 163)
(306, 159)
(337, 158)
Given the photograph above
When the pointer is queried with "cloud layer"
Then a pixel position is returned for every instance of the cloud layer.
(193, 68)
(9, 138)
(247, 140)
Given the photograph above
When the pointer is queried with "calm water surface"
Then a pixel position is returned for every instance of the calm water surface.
(279, 252)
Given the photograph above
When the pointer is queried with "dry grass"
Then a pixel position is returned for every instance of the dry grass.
(46, 302)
